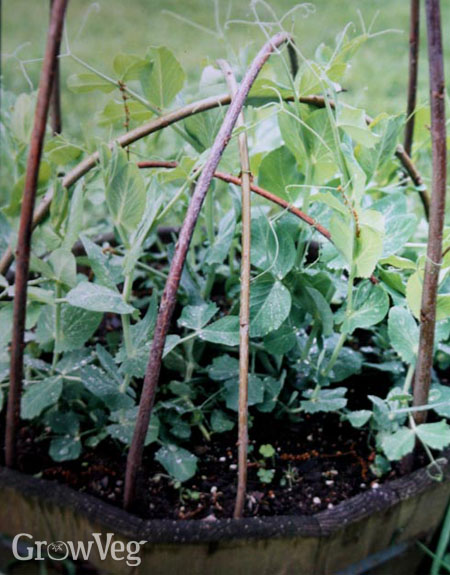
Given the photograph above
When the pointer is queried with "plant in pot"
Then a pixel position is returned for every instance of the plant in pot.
(271, 274)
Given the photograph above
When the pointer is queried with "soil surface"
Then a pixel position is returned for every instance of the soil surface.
(318, 462)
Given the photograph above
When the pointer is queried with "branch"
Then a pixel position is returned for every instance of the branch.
(25, 229)
(437, 211)
(177, 115)
(230, 179)
(168, 299)
(414, 35)
(55, 102)
(244, 310)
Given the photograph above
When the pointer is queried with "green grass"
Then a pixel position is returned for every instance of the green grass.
(376, 81)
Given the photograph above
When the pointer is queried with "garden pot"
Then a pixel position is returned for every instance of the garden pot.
(395, 514)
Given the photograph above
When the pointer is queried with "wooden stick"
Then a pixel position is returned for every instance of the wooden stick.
(437, 211)
(55, 102)
(244, 310)
(168, 299)
(25, 229)
(414, 34)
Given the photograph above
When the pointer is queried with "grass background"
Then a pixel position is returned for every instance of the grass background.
(99, 30)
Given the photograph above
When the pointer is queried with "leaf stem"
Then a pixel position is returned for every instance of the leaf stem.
(57, 325)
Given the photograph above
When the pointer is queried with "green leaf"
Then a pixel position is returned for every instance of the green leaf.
(278, 170)
(75, 219)
(435, 435)
(440, 394)
(162, 77)
(65, 448)
(77, 326)
(102, 386)
(125, 192)
(397, 445)
(203, 128)
(267, 450)
(224, 331)
(273, 248)
(414, 297)
(272, 389)
(359, 418)
(104, 272)
(59, 206)
(178, 462)
(313, 302)
(223, 367)
(255, 391)
(61, 152)
(196, 316)
(40, 395)
(403, 334)
(128, 66)
(370, 305)
(324, 400)
(353, 122)
(125, 422)
(388, 128)
(113, 114)
(342, 236)
(95, 297)
(88, 82)
(280, 341)
(222, 241)
(220, 421)
(270, 304)
(369, 243)
(64, 266)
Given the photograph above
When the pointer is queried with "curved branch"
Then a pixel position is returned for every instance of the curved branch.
(168, 299)
(177, 115)
(25, 228)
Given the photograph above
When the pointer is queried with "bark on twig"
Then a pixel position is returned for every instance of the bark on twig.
(230, 179)
(437, 211)
(244, 310)
(168, 299)
(55, 102)
(177, 115)
(414, 33)
(25, 228)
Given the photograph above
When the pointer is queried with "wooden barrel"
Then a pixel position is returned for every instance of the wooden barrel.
(395, 514)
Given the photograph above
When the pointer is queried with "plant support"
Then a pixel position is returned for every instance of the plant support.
(437, 210)
(26, 226)
(168, 299)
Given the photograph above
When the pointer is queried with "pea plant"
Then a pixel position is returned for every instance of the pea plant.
(253, 250)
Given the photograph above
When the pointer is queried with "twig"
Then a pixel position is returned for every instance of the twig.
(244, 310)
(162, 122)
(230, 179)
(168, 299)
(55, 102)
(25, 229)
(414, 35)
(437, 211)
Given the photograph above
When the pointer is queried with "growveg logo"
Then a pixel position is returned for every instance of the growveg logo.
(25, 548)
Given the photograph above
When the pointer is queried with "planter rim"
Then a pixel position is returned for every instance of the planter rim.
(321, 524)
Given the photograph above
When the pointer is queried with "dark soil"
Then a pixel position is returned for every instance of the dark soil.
(319, 462)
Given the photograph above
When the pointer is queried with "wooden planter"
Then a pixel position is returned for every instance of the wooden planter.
(397, 513)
